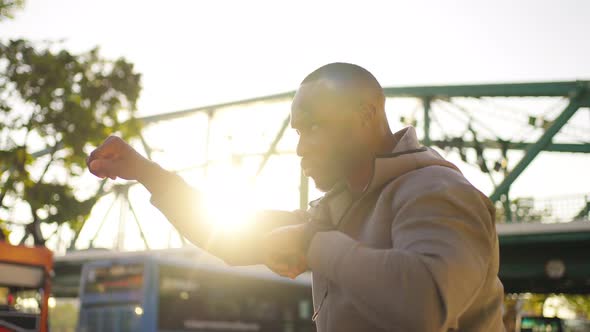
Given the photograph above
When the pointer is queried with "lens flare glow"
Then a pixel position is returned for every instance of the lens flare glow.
(229, 207)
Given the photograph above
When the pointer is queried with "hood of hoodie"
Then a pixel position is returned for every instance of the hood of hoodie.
(407, 156)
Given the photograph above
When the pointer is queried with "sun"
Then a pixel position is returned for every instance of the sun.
(228, 206)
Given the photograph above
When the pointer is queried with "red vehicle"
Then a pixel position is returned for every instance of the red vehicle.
(24, 287)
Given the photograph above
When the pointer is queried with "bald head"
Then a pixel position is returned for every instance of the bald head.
(350, 80)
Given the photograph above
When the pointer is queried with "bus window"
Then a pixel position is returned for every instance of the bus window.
(305, 309)
(113, 279)
(199, 300)
(192, 300)
(111, 297)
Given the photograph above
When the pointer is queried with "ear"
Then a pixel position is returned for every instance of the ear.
(368, 112)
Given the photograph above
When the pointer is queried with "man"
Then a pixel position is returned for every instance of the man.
(400, 242)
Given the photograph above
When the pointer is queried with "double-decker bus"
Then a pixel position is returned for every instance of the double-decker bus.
(151, 293)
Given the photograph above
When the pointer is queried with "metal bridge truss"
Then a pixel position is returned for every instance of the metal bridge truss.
(499, 128)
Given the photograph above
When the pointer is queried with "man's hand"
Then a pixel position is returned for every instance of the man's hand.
(115, 158)
(284, 251)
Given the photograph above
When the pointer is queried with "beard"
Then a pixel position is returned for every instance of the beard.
(324, 183)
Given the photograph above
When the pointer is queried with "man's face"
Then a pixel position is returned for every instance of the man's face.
(329, 132)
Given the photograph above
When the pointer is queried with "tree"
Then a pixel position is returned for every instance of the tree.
(580, 304)
(57, 102)
(8, 6)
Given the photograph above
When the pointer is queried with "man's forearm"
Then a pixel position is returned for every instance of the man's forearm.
(183, 207)
(154, 178)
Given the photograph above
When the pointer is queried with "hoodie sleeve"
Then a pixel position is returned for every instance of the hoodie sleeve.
(442, 243)
(183, 207)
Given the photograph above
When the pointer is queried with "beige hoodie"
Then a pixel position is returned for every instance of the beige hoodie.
(418, 251)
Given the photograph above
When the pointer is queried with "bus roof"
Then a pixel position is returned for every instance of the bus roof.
(255, 271)
(88, 255)
(509, 229)
(190, 258)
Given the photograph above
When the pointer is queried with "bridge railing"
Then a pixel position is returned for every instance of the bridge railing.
(547, 210)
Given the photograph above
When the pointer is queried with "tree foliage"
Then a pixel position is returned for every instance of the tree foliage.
(580, 304)
(57, 102)
(529, 304)
(7, 7)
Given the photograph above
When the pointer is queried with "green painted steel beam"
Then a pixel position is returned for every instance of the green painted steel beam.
(538, 146)
(191, 111)
(146, 147)
(491, 144)
(584, 212)
(137, 222)
(541, 239)
(273, 146)
(545, 89)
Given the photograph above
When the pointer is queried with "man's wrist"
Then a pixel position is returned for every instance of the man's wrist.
(150, 175)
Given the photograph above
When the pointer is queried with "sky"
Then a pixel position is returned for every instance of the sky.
(195, 53)
(201, 52)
